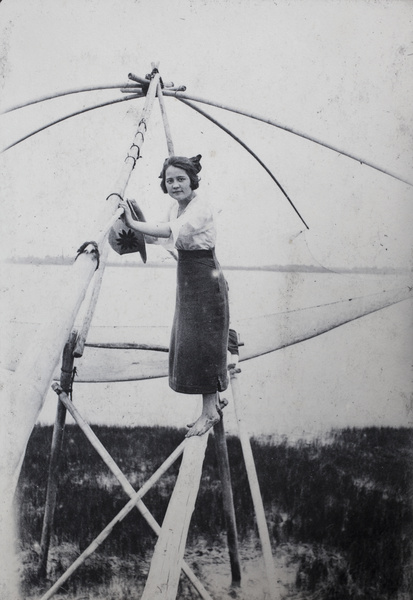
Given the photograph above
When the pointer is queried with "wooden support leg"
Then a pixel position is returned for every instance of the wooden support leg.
(52, 484)
(163, 579)
(57, 440)
(254, 487)
(119, 517)
(108, 460)
(228, 500)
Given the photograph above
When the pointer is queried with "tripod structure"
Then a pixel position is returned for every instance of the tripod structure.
(167, 562)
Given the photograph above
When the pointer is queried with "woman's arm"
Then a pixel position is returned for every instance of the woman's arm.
(153, 229)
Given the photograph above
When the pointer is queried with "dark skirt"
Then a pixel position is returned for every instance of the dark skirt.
(199, 338)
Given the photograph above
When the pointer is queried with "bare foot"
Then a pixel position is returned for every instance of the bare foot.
(202, 424)
(206, 421)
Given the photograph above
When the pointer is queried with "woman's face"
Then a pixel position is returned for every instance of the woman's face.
(178, 184)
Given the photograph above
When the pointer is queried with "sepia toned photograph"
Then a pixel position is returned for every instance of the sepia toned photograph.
(206, 299)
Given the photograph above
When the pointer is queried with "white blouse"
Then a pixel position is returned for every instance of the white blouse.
(194, 229)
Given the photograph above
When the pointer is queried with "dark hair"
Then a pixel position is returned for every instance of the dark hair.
(191, 166)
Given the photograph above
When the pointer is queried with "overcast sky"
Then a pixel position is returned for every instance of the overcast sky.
(338, 70)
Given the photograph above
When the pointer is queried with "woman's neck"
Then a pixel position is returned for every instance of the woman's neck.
(182, 204)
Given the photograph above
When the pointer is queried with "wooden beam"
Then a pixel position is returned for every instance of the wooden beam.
(221, 449)
(97, 284)
(168, 134)
(24, 396)
(255, 488)
(57, 441)
(117, 519)
(127, 487)
(163, 579)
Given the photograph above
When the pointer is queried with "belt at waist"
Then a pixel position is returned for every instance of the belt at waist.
(188, 254)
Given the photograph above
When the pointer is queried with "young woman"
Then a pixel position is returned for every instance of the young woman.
(199, 338)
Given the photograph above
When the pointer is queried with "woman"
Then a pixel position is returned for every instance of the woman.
(199, 338)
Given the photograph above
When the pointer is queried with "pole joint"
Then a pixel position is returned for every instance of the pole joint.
(85, 249)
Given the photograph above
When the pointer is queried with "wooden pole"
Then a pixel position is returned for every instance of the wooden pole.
(163, 579)
(52, 485)
(119, 517)
(168, 135)
(254, 487)
(221, 449)
(57, 440)
(97, 284)
(127, 487)
(139, 138)
(138, 79)
(25, 394)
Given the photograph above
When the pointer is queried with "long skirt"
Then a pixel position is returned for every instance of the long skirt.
(199, 338)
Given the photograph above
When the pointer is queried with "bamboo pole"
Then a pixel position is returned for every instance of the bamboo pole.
(163, 579)
(97, 284)
(91, 88)
(128, 346)
(254, 487)
(73, 114)
(168, 135)
(117, 519)
(127, 487)
(138, 79)
(136, 87)
(167, 84)
(279, 125)
(57, 440)
(25, 394)
(134, 150)
(221, 450)
(248, 149)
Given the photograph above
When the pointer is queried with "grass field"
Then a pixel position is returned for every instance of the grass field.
(339, 512)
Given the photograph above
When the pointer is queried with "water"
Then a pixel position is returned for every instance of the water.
(356, 375)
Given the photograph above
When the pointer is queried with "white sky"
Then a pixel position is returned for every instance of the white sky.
(339, 70)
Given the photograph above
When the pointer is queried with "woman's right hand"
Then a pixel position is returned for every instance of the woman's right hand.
(127, 214)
